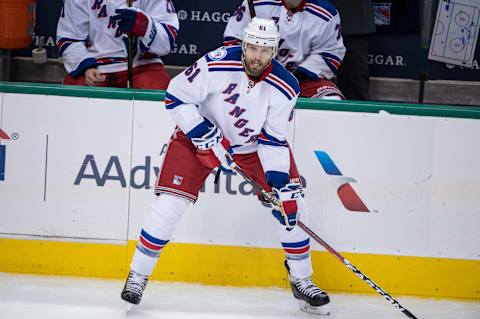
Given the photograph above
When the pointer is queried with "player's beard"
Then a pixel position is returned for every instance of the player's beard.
(292, 4)
(254, 67)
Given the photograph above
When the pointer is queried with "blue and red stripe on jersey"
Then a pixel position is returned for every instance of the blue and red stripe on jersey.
(64, 43)
(275, 75)
(228, 41)
(332, 61)
(231, 61)
(114, 60)
(267, 2)
(228, 65)
(267, 139)
(172, 101)
(171, 32)
(150, 245)
(326, 5)
(320, 11)
(283, 80)
(281, 85)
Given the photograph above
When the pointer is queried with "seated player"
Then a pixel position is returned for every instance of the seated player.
(311, 45)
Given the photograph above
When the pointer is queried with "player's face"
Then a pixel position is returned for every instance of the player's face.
(257, 59)
(292, 3)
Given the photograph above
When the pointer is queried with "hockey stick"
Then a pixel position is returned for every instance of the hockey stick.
(274, 201)
(130, 56)
(251, 8)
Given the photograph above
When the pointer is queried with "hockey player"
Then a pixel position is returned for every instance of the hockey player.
(92, 40)
(234, 100)
(311, 45)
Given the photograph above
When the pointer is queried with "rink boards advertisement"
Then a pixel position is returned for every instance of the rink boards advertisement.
(398, 194)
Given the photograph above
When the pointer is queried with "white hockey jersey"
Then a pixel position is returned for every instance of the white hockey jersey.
(311, 38)
(253, 115)
(88, 37)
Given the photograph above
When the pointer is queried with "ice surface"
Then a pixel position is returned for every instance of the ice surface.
(51, 297)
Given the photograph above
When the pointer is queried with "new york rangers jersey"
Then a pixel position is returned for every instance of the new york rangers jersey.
(87, 36)
(253, 115)
(311, 38)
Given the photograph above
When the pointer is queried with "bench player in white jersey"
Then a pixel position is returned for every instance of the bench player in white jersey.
(311, 45)
(232, 100)
(92, 40)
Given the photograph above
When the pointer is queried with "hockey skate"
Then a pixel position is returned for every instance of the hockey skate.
(311, 298)
(133, 289)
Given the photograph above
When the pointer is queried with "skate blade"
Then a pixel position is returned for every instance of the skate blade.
(320, 310)
(128, 308)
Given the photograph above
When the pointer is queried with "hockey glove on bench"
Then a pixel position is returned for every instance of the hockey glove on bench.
(132, 20)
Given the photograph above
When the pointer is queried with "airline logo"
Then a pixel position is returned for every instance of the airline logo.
(3, 152)
(349, 198)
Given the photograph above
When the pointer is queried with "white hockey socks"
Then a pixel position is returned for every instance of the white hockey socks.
(166, 212)
(296, 245)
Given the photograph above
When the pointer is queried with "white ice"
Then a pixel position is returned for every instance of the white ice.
(50, 297)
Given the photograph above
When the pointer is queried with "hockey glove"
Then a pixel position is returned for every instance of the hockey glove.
(288, 196)
(132, 20)
(212, 149)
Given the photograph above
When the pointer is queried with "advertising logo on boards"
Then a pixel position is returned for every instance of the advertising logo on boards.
(3, 151)
(347, 195)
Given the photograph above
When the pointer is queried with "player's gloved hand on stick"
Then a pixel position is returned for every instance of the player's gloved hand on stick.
(288, 196)
(212, 149)
(132, 20)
